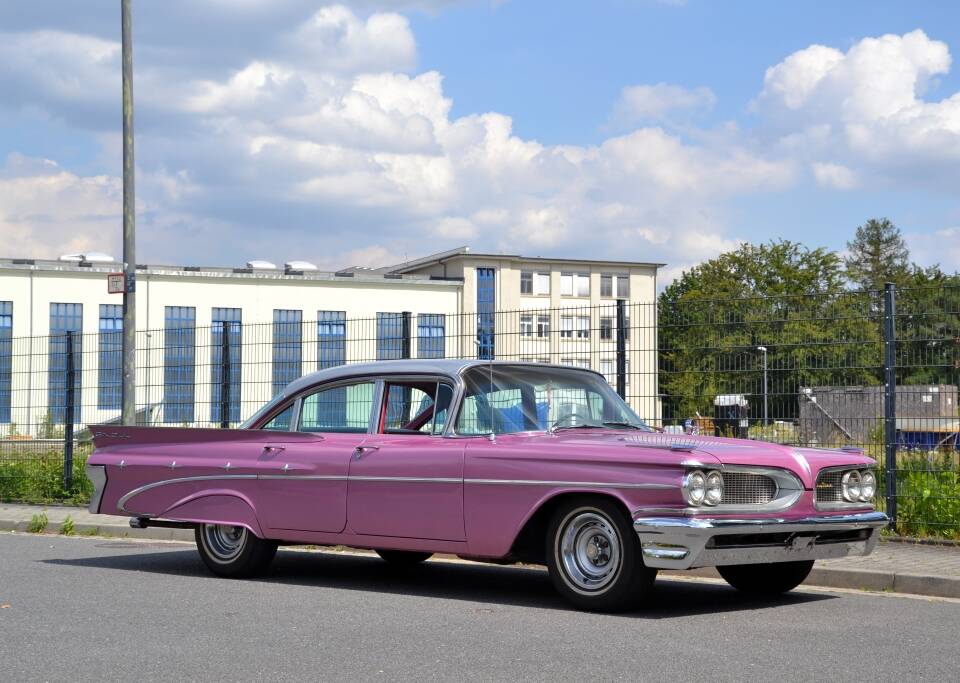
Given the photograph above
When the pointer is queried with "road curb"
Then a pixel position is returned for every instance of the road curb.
(109, 530)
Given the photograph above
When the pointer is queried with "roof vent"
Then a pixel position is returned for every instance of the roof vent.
(261, 265)
(91, 257)
(299, 265)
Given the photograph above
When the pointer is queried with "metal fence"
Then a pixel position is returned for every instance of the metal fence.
(878, 370)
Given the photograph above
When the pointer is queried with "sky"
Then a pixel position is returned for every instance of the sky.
(370, 132)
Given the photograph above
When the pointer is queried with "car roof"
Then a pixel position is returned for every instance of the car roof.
(449, 367)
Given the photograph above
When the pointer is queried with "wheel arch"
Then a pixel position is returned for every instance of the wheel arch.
(529, 543)
(216, 507)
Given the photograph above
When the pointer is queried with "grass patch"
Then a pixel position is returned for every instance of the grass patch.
(38, 523)
(37, 477)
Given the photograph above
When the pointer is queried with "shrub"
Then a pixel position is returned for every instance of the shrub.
(38, 523)
(66, 528)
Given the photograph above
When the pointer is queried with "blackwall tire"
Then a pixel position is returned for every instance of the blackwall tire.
(594, 557)
(766, 579)
(234, 552)
(403, 558)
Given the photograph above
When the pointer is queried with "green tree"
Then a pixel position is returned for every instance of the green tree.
(781, 295)
(928, 328)
(877, 255)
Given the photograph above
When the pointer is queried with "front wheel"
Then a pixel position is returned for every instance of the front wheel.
(766, 579)
(233, 551)
(594, 558)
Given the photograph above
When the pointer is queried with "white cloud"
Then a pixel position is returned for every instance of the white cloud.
(939, 247)
(834, 176)
(46, 211)
(328, 144)
(658, 102)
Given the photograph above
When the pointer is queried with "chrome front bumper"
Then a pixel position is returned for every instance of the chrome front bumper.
(688, 542)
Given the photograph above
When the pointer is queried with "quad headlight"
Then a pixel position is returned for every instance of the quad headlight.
(701, 488)
(858, 486)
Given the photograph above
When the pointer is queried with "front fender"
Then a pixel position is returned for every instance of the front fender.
(215, 507)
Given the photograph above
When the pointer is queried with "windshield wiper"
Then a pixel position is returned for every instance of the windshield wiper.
(557, 428)
(617, 423)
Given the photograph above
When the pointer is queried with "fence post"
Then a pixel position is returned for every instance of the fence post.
(225, 375)
(405, 335)
(68, 415)
(622, 348)
(890, 398)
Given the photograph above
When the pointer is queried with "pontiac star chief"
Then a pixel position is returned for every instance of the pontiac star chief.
(494, 461)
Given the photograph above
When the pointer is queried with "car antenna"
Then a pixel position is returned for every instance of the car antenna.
(493, 434)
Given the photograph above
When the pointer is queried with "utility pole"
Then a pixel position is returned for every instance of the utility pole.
(128, 392)
(763, 350)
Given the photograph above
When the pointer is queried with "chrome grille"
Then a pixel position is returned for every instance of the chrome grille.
(829, 489)
(744, 488)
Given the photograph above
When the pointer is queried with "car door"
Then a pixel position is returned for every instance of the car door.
(407, 479)
(303, 483)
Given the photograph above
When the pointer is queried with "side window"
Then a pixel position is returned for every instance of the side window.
(415, 407)
(345, 408)
(281, 421)
(500, 411)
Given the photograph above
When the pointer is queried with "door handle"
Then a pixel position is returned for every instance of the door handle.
(360, 450)
(269, 448)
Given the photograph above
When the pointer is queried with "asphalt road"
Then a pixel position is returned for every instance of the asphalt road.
(85, 608)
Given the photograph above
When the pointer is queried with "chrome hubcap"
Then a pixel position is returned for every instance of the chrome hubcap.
(589, 549)
(224, 542)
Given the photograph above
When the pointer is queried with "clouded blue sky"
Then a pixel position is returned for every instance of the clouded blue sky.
(366, 132)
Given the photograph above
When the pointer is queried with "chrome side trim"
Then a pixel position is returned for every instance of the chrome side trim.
(97, 474)
(121, 504)
(593, 484)
(319, 477)
(410, 480)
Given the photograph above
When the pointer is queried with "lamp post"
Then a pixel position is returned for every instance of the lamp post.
(129, 350)
(763, 349)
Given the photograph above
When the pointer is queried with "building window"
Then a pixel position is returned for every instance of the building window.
(566, 327)
(226, 328)
(543, 326)
(179, 363)
(526, 325)
(110, 343)
(583, 327)
(389, 336)
(608, 368)
(486, 303)
(287, 347)
(431, 335)
(6, 359)
(615, 286)
(576, 362)
(606, 329)
(64, 318)
(575, 284)
(331, 338)
(536, 284)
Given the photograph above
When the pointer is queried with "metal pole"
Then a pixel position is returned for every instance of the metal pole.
(405, 335)
(68, 416)
(128, 389)
(890, 398)
(763, 350)
(622, 348)
(225, 375)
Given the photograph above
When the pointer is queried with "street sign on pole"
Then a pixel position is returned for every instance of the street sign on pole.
(115, 283)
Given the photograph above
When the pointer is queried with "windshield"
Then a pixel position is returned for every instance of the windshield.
(521, 398)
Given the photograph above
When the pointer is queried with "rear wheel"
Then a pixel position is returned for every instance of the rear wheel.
(766, 579)
(404, 558)
(233, 551)
(594, 557)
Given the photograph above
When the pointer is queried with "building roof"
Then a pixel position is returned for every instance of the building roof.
(464, 252)
(245, 273)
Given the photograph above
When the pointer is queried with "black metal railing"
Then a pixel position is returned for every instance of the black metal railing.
(873, 369)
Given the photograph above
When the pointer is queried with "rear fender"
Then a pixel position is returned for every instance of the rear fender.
(215, 507)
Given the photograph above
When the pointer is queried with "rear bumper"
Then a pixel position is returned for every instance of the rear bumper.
(688, 542)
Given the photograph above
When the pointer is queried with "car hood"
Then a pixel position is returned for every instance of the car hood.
(713, 451)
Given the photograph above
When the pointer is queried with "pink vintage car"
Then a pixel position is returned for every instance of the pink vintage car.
(494, 461)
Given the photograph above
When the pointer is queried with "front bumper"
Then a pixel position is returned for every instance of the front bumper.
(688, 542)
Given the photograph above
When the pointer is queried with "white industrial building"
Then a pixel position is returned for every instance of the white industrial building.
(294, 318)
